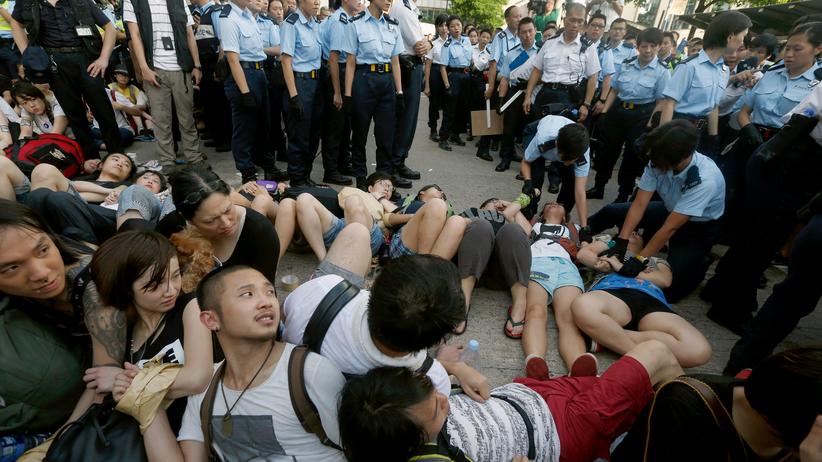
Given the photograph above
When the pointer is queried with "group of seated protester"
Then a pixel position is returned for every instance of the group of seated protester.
(157, 295)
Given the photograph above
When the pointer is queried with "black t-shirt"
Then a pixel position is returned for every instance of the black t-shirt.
(57, 23)
(496, 219)
(258, 246)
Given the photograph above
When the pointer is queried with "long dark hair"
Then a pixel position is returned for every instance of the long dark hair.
(190, 187)
(27, 90)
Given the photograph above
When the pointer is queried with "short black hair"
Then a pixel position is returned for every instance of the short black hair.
(509, 10)
(211, 286)
(376, 177)
(14, 214)
(619, 20)
(766, 41)
(524, 21)
(440, 20)
(695, 41)
(650, 35)
(786, 388)
(373, 415)
(723, 26)
(453, 18)
(811, 30)
(190, 187)
(598, 15)
(415, 301)
(488, 201)
(486, 30)
(668, 34)
(131, 172)
(572, 142)
(668, 145)
(160, 176)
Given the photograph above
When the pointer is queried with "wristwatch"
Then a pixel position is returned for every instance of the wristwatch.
(602, 101)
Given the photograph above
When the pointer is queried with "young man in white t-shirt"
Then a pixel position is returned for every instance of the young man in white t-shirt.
(414, 302)
(252, 416)
(170, 66)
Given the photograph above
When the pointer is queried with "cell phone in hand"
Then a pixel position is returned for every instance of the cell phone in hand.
(270, 186)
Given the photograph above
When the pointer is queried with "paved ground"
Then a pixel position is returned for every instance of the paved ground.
(467, 181)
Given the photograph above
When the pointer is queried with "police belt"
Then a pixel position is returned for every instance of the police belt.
(311, 75)
(698, 122)
(414, 58)
(636, 107)
(461, 70)
(382, 68)
(253, 65)
(766, 132)
(65, 50)
(559, 86)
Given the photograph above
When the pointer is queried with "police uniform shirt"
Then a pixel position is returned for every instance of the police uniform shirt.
(547, 132)
(515, 60)
(697, 85)
(300, 39)
(622, 52)
(436, 49)
(456, 52)
(372, 40)
(333, 33)
(606, 62)
(503, 42)
(563, 63)
(777, 93)
(640, 85)
(407, 15)
(57, 27)
(480, 59)
(5, 27)
(698, 191)
(205, 31)
(269, 31)
(810, 105)
(239, 34)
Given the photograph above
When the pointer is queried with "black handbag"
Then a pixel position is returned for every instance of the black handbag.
(101, 434)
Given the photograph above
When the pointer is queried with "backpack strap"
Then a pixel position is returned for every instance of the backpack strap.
(207, 406)
(426, 365)
(328, 309)
(78, 289)
(572, 230)
(306, 411)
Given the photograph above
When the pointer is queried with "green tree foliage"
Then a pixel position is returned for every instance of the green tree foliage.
(480, 12)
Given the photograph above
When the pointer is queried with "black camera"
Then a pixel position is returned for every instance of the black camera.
(537, 6)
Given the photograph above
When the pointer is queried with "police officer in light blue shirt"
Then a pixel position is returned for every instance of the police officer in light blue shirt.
(247, 90)
(373, 88)
(692, 193)
(635, 90)
(301, 54)
(502, 43)
(455, 65)
(616, 42)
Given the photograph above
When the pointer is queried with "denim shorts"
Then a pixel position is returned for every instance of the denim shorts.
(398, 248)
(337, 225)
(555, 272)
(21, 192)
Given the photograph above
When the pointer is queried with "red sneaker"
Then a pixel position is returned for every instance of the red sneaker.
(536, 368)
(584, 366)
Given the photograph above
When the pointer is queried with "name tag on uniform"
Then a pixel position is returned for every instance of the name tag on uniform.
(83, 31)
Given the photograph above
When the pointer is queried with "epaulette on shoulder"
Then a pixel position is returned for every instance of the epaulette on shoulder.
(629, 60)
(391, 20)
(343, 18)
(447, 42)
(584, 43)
(226, 10)
(688, 59)
(501, 35)
(817, 74)
(292, 18)
(776, 67)
(359, 16)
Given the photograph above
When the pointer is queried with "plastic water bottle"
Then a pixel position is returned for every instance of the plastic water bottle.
(471, 355)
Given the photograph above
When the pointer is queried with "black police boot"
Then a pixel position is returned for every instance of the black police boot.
(485, 156)
(361, 183)
(516, 157)
(455, 139)
(503, 165)
(495, 144)
(346, 170)
(400, 182)
(408, 173)
(275, 174)
(336, 178)
(597, 192)
(553, 188)
(445, 146)
(433, 136)
(249, 174)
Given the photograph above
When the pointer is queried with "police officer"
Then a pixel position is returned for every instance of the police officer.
(455, 65)
(616, 42)
(433, 84)
(9, 56)
(692, 198)
(505, 41)
(481, 56)
(247, 90)
(373, 48)
(68, 32)
(216, 110)
(336, 141)
(561, 65)
(698, 83)
(509, 84)
(415, 47)
(558, 139)
(301, 57)
(636, 89)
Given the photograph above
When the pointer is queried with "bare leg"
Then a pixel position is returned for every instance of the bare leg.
(48, 176)
(535, 333)
(658, 360)
(601, 316)
(352, 249)
(571, 343)
(448, 242)
(690, 347)
(519, 302)
(467, 284)
(10, 176)
(314, 220)
(356, 212)
(128, 215)
(422, 231)
(284, 217)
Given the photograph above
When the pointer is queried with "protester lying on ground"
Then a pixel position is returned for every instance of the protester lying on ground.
(771, 412)
(41, 111)
(495, 253)
(400, 415)
(13, 183)
(252, 416)
(414, 303)
(115, 172)
(619, 312)
(138, 272)
(142, 204)
(282, 213)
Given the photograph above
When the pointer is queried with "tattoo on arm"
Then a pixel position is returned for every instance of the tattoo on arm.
(106, 324)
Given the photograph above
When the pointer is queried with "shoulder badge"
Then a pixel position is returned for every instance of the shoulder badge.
(501, 35)
(688, 59)
(817, 74)
(547, 146)
(359, 16)
(692, 179)
(581, 160)
(629, 60)
(225, 11)
(391, 20)
(447, 42)
(292, 18)
(343, 18)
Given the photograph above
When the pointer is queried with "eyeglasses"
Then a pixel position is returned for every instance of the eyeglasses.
(386, 184)
(200, 194)
(596, 26)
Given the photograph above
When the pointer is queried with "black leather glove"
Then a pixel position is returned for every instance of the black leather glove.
(400, 103)
(585, 235)
(750, 135)
(448, 91)
(528, 187)
(247, 101)
(618, 250)
(632, 267)
(348, 105)
(295, 108)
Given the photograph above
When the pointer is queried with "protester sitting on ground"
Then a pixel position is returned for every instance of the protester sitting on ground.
(400, 415)
(138, 272)
(233, 235)
(47, 278)
(123, 86)
(414, 302)
(282, 213)
(495, 253)
(619, 312)
(148, 200)
(252, 416)
(115, 171)
(771, 411)
(555, 280)
(41, 112)
(124, 113)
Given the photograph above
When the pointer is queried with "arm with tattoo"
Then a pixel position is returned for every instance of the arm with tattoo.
(107, 326)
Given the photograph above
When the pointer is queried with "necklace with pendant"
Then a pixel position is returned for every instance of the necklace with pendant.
(227, 425)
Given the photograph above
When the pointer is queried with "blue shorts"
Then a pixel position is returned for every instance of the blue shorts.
(555, 272)
(337, 225)
(398, 248)
(21, 191)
